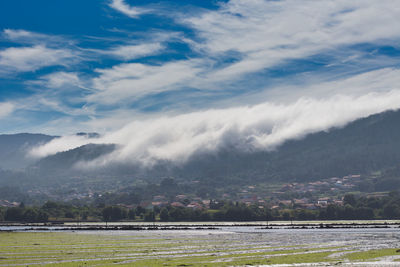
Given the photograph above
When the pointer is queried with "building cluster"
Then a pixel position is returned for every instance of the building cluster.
(8, 204)
(311, 195)
(331, 184)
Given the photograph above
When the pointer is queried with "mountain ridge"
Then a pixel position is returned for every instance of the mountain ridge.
(362, 146)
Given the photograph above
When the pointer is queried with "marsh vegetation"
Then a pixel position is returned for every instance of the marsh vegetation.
(226, 246)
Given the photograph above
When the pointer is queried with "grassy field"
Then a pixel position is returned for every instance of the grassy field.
(184, 249)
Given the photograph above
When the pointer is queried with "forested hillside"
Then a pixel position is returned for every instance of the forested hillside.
(364, 146)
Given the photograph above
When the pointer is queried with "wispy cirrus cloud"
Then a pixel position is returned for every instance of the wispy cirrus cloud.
(378, 81)
(35, 51)
(52, 50)
(6, 109)
(125, 82)
(23, 59)
(129, 52)
(124, 8)
(22, 35)
(35, 38)
(264, 34)
(244, 38)
(60, 79)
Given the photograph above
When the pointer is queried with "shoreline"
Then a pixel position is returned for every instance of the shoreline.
(24, 227)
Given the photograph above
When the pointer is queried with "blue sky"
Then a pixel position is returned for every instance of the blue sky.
(102, 65)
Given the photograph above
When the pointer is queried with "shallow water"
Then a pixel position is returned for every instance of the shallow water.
(226, 245)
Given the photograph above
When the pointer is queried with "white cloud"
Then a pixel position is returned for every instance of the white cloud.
(59, 144)
(128, 52)
(266, 33)
(126, 9)
(6, 109)
(261, 126)
(35, 38)
(125, 82)
(23, 59)
(17, 35)
(381, 80)
(60, 79)
(241, 37)
(258, 35)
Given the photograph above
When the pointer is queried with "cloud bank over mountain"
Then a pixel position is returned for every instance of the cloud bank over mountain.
(248, 128)
(166, 80)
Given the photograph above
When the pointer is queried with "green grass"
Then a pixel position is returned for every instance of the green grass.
(75, 249)
(372, 254)
(288, 259)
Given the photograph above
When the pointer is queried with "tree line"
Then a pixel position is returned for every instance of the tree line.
(367, 208)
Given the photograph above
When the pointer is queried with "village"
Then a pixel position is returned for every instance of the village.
(315, 194)
(309, 195)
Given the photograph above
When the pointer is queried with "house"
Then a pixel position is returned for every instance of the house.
(285, 202)
(338, 202)
(177, 204)
(159, 203)
(6, 203)
(195, 206)
(159, 198)
(146, 205)
(206, 202)
(310, 206)
(300, 202)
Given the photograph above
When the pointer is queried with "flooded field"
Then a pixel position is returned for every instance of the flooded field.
(223, 246)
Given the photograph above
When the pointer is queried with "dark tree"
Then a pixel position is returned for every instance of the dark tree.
(140, 210)
(14, 214)
(349, 199)
(164, 215)
(150, 216)
(132, 214)
(114, 213)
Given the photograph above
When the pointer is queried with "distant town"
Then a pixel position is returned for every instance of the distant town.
(311, 195)
(331, 198)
